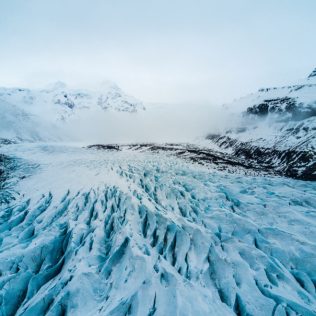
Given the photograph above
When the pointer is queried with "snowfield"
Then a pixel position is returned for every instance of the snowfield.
(106, 232)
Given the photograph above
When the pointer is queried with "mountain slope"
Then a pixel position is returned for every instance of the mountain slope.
(276, 128)
(56, 112)
(17, 124)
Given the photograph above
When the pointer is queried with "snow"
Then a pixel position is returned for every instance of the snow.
(53, 113)
(274, 128)
(134, 233)
(127, 231)
(17, 124)
(281, 130)
(59, 102)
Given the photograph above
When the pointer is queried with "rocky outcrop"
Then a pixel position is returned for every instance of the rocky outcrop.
(291, 162)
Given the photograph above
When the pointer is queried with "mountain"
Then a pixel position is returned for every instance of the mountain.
(62, 102)
(24, 111)
(276, 128)
(17, 124)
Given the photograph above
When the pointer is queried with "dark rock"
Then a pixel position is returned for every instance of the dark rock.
(105, 147)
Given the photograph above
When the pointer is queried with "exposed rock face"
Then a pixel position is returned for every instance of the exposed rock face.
(292, 162)
(278, 106)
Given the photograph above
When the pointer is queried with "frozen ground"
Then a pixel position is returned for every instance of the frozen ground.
(137, 233)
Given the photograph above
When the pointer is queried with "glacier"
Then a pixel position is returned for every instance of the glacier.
(219, 224)
(128, 232)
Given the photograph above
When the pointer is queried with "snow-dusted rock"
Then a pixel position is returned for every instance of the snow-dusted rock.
(276, 127)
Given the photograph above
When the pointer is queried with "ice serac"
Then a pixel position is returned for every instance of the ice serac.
(276, 129)
(120, 232)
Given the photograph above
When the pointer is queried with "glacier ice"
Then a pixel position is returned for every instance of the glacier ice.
(90, 232)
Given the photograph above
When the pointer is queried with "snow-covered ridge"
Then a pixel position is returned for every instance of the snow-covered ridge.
(276, 127)
(49, 114)
(61, 101)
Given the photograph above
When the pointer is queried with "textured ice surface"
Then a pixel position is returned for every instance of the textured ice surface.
(129, 233)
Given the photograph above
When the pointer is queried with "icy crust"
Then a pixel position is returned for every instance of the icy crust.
(129, 233)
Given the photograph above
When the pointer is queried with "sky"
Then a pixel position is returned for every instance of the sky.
(166, 51)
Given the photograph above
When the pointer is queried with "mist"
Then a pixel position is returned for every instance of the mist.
(158, 51)
(158, 123)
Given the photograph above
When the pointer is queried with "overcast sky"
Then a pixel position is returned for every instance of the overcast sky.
(160, 51)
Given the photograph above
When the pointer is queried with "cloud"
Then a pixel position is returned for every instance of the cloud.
(159, 123)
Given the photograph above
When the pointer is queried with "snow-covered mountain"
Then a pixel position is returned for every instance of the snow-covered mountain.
(55, 106)
(62, 101)
(17, 124)
(276, 128)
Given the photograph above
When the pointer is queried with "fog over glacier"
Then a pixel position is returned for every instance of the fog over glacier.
(158, 123)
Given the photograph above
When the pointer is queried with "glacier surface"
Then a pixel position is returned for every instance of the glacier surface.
(88, 232)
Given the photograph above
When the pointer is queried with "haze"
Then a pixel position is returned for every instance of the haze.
(159, 51)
